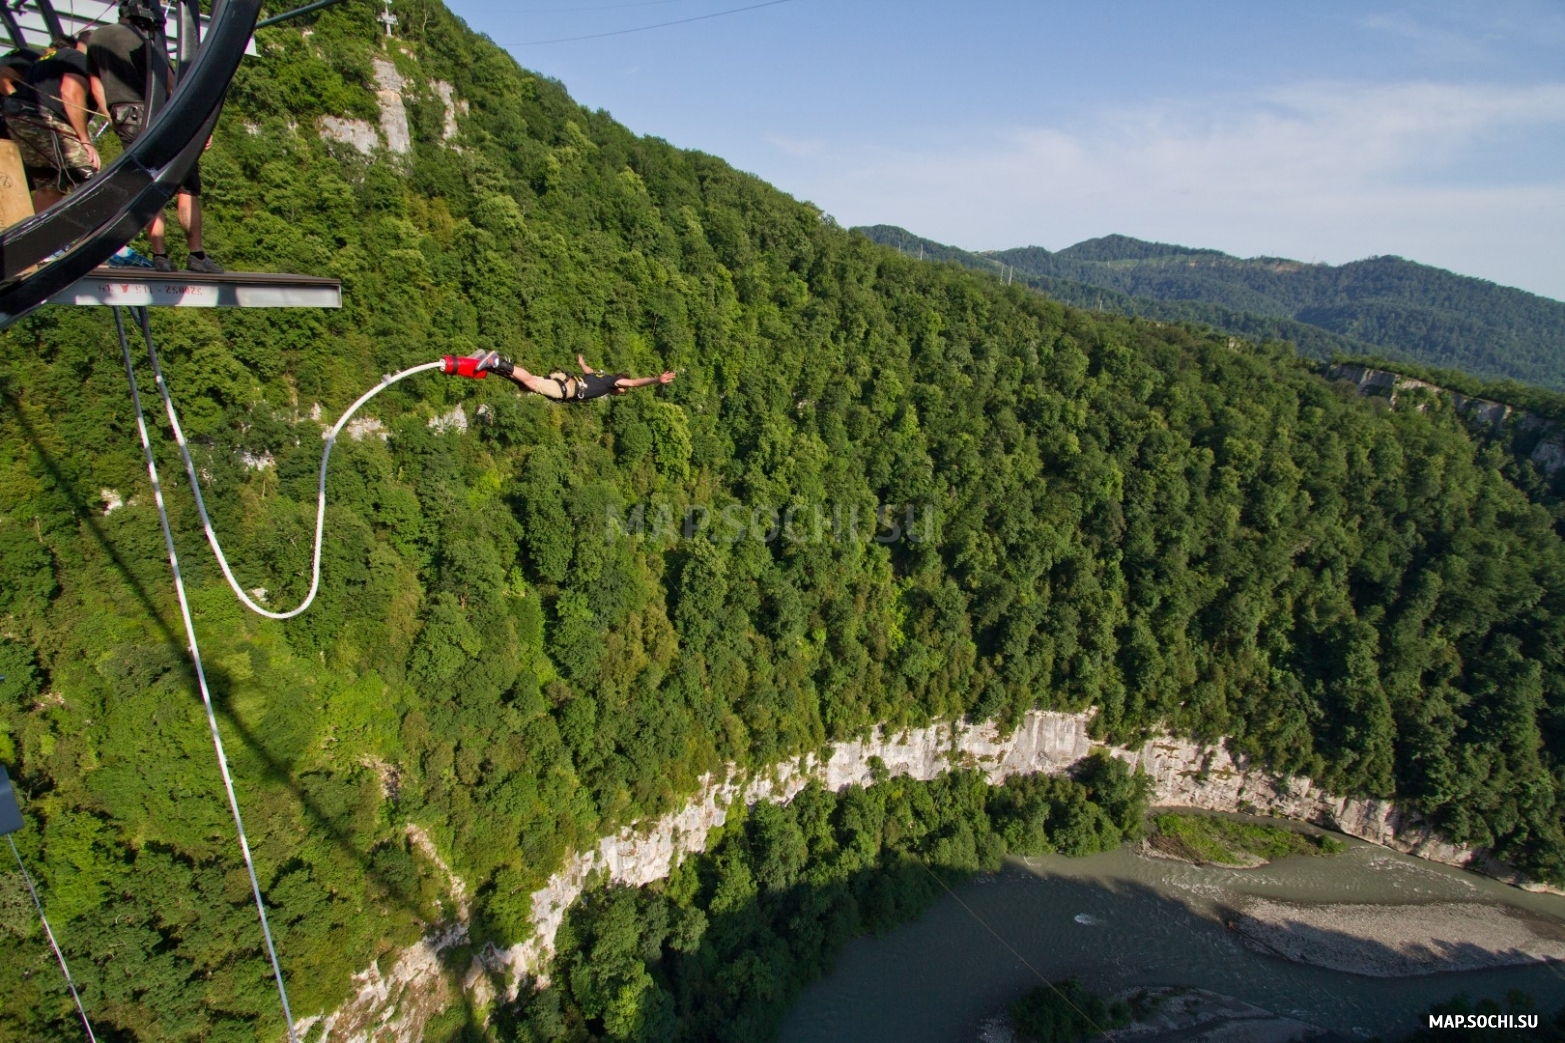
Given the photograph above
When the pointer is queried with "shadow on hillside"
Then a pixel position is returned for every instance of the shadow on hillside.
(274, 770)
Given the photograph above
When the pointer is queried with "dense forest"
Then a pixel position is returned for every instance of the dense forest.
(1383, 306)
(1178, 530)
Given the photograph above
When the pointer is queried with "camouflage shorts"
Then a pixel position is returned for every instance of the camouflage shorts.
(51, 151)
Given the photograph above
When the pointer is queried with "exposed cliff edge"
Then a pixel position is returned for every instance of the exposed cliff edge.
(1183, 774)
(1548, 452)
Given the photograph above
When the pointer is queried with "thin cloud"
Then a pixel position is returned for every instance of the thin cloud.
(1433, 42)
(1335, 171)
(796, 146)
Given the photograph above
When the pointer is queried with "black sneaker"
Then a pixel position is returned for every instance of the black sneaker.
(204, 266)
(161, 263)
(494, 362)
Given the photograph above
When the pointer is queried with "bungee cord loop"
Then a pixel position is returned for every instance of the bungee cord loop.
(320, 507)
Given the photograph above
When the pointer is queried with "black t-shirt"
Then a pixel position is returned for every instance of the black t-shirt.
(595, 385)
(117, 55)
(40, 91)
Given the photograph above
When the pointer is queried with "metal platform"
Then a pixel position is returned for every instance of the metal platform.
(140, 288)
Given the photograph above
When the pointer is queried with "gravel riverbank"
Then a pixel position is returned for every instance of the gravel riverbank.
(1396, 941)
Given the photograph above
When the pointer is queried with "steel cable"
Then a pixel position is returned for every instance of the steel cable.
(49, 931)
(195, 655)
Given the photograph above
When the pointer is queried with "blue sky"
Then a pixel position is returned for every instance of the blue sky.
(1321, 131)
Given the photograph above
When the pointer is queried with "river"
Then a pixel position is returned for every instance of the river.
(1121, 920)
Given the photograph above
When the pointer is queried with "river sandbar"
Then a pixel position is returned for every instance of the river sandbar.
(1397, 941)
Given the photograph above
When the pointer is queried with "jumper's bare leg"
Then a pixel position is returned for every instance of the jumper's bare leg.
(545, 386)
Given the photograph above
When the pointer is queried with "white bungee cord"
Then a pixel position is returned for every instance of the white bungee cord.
(320, 509)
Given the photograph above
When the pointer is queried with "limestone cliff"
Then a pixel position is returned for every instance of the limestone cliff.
(1183, 774)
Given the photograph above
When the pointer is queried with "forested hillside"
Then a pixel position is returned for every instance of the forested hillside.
(1136, 517)
(1382, 306)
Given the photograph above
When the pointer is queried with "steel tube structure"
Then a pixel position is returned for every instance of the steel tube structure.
(13, 29)
(108, 212)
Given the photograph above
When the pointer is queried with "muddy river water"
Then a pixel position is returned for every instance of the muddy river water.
(1121, 920)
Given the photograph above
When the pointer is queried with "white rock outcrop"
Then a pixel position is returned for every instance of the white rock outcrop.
(394, 134)
(356, 133)
(360, 428)
(256, 461)
(392, 1007)
(1549, 454)
(455, 420)
(393, 114)
(454, 107)
(1183, 774)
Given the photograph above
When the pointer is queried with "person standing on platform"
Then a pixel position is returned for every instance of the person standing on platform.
(117, 61)
(47, 116)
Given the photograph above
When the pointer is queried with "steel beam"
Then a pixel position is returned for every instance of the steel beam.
(51, 20)
(13, 28)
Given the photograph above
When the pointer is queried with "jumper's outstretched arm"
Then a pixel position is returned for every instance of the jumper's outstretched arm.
(626, 383)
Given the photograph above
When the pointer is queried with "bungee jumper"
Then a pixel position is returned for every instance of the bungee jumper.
(557, 386)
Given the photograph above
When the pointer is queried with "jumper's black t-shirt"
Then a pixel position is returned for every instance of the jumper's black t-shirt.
(117, 54)
(595, 385)
(40, 90)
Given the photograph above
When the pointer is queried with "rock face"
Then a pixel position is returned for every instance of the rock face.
(455, 420)
(394, 133)
(356, 133)
(393, 115)
(453, 106)
(1549, 454)
(1183, 774)
(392, 1007)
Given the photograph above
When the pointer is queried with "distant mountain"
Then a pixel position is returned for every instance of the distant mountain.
(1383, 306)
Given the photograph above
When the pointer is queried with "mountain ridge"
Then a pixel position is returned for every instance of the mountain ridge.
(1386, 305)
